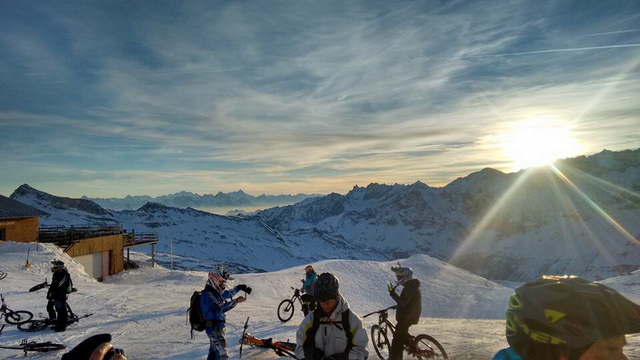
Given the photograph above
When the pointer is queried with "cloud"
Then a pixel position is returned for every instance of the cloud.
(355, 91)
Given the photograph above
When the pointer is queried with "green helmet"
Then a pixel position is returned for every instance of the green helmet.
(567, 311)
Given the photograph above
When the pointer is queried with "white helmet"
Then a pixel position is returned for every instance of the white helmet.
(217, 281)
(403, 273)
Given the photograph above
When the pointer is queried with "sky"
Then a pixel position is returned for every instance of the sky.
(109, 98)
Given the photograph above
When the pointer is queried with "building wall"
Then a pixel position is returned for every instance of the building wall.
(113, 244)
(20, 230)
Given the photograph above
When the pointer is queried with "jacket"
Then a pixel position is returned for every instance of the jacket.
(214, 306)
(309, 281)
(332, 339)
(507, 354)
(409, 302)
(60, 287)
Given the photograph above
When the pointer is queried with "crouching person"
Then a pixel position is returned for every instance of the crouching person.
(215, 302)
(332, 331)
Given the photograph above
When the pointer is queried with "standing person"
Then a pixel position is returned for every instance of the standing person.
(332, 331)
(215, 302)
(568, 318)
(61, 286)
(308, 299)
(408, 309)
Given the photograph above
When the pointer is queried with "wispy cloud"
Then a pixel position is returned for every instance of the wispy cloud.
(305, 95)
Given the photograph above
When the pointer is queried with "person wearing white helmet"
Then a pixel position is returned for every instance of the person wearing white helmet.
(215, 302)
(408, 309)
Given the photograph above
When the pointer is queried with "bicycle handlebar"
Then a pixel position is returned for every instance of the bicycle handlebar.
(380, 311)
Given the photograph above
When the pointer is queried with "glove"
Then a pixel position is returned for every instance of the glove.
(243, 287)
(313, 354)
(390, 288)
(248, 291)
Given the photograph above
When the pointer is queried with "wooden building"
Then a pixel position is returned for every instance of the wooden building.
(100, 249)
(18, 222)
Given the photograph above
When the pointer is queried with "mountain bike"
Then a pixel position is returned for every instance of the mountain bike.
(14, 317)
(419, 347)
(41, 324)
(286, 307)
(281, 348)
(27, 346)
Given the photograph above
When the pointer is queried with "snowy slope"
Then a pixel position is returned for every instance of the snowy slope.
(144, 309)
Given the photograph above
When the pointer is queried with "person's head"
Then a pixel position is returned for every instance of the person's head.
(57, 265)
(309, 269)
(217, 281)
(403, 274)
(569, 318)
(224, 273)
(326, 291)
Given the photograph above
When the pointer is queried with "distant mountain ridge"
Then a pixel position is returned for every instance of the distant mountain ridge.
(184, 199)
(514, 226)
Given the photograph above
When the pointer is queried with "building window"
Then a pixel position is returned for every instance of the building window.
(2, 234)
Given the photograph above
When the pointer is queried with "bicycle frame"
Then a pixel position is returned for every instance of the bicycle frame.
(296, 295)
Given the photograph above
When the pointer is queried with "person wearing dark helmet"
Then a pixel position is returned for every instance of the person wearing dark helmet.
(59, 290)
(568, 318)
(332, 331)
(408, 309)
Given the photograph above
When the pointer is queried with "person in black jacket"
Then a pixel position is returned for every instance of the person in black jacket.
(59, 290)
(408, 309)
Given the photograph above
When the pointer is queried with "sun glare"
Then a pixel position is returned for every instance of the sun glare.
(538, 141)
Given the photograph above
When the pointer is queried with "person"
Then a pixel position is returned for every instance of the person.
(408, 309)
(332, 331)
(568, 318)
(308, 300)
(61, 286)
(215, 302)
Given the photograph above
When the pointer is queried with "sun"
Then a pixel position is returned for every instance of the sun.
(538, 141)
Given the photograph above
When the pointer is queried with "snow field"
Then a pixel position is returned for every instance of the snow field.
(145, 309)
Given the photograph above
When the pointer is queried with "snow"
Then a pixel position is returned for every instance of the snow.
(145, 309)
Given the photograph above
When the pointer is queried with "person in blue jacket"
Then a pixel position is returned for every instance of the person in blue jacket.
(568, 318)
(215, 302)
(308, 298)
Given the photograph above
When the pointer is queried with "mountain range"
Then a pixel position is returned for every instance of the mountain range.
(581, 216)
(184, 199)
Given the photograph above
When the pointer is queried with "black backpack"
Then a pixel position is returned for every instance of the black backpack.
(310, 341)
(195, 313)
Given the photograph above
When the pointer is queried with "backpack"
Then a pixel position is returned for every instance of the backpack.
(310, 340)
(195, 313)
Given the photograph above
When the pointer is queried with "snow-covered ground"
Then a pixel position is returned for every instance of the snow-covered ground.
(145, 309)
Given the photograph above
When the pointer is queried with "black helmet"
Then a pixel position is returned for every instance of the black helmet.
(326, 287)
(569, 312)
(58, 265)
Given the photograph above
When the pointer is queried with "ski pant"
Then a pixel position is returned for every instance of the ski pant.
(400, 337)
(308, 303)
(58, 314)
(217, 345)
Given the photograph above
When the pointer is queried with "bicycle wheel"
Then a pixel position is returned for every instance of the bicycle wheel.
(33, 325)
(427, 347)
(380, 342)
(45, 347)
(285, 310)
(17, 317)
